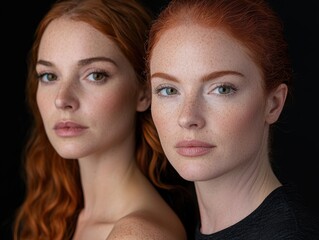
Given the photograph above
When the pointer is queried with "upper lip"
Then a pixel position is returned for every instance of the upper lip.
(193, 143)
(67, 124)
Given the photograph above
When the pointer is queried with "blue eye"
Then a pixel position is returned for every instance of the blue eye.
(166, 91)
(224, 90)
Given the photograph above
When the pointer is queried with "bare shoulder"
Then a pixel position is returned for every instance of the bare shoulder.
(145, 225)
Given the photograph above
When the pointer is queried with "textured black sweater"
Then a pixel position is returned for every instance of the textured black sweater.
(281, 216)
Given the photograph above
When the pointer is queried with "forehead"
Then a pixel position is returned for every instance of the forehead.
(198, 41)
(196, 49)
(64, 36)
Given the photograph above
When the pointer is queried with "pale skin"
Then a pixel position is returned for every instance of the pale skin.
(85, 81)
(213, 116)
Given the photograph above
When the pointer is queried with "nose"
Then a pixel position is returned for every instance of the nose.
(66, 98)
(191, 115)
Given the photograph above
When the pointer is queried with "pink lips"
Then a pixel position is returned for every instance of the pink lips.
(68, 129)
(193, 148)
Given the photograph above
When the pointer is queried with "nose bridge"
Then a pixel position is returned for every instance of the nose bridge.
(191, 114)
(191, 103)
(66, 95)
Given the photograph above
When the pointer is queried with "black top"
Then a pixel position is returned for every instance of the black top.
(281, 216)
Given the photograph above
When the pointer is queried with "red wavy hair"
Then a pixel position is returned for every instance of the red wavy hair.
(54, 195)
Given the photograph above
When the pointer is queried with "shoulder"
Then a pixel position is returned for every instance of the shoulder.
(145, 225)
(285, 211)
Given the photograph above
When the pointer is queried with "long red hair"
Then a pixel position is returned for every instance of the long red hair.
(54, 195)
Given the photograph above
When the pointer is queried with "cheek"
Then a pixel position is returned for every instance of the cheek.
(164, 124)
(43, 103)
(113, 107)
(115, 113)
(157, 115)
(46, 109)
(244, 122)
(162, 117)
(120, 95)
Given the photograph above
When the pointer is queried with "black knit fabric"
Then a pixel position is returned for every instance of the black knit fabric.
(281, 216)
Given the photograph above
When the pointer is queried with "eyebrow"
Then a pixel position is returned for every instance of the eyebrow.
(205, 78)
(82, 62)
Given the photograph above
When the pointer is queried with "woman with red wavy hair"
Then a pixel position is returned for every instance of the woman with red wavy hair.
(94, 166)
(220, 75)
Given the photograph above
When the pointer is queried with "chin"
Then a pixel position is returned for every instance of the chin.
(74, 151)
(69, 153)
(191, 173)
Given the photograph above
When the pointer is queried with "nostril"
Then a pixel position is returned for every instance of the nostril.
(65, 103)
(191, 119)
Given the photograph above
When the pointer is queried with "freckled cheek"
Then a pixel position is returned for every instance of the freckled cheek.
(242, 122)
(44, 103)
(163, 118)
(47, 111)
(157, 115)
(114, 105)
(114, 115)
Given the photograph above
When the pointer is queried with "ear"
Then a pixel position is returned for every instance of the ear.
(143, 99)
(275, 103)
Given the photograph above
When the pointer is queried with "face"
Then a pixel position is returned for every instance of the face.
(88, 94)
(208, 103)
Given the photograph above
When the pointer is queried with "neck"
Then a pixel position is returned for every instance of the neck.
(226, 200)
(105, 180)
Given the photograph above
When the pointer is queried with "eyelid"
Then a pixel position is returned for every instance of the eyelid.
(41, 75)
(103, 76)
(232, 89)
(158, 89)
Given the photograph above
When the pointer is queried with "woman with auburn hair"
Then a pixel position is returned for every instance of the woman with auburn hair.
(94, 166)
(220, 73)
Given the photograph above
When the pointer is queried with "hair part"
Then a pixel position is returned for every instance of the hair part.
(251, 22)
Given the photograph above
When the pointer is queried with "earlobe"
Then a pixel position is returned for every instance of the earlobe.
(276, 102)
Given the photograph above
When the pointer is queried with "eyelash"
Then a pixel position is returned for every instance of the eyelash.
(229, 87)
(160, 88)
(105, 76)
(43, 77)
(231, 90)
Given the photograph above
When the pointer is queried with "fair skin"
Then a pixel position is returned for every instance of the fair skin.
(209, 88)
(88, 96)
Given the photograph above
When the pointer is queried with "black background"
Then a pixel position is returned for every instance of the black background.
(296, 140)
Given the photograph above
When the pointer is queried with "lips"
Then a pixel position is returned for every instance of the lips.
(193, 148)
(69, 129)
(61, 125)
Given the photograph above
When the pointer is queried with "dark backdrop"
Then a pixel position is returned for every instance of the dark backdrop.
(296, 140)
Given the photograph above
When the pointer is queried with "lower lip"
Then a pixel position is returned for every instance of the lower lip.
(69, 132)
(193, 151)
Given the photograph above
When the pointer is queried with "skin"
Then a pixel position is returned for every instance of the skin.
(84, 79)
(209, 88)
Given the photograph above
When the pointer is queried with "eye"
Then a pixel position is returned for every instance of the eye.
(47, 77)
(166, 91)
(98, 76)
(224, 89)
